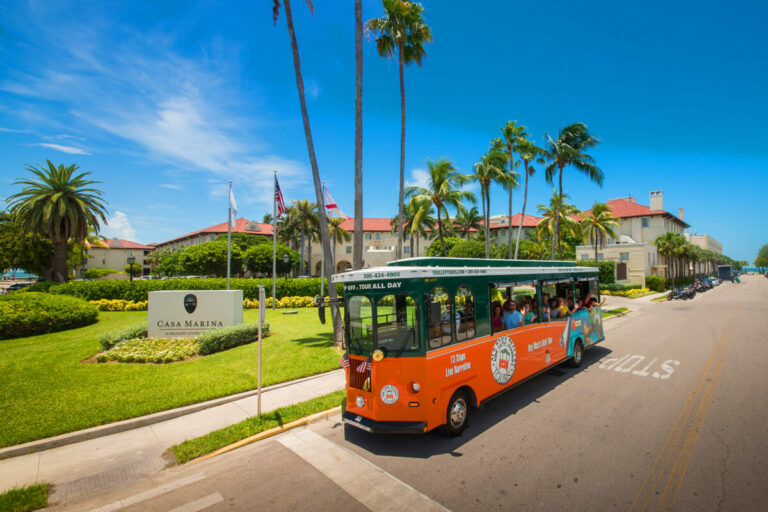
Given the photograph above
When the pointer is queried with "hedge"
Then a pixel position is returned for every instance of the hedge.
(95, 273)
(119, 305)
(111, 338)
(606, 270)
(621, 287)
(27, 314)
(656, 283)
(229, 337)
(118, 289)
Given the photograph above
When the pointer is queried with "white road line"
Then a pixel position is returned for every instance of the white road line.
(361, 479)
(144, 496)
(205, 502)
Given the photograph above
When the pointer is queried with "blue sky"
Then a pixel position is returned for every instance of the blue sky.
(165, 101)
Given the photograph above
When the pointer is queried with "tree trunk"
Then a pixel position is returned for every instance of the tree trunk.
(310, 268)
(440, 230)
(594, 238)
(401, 200)
(338, 330)
(556, 233)
(333, 263)
(417, 245)
(509, 251)
(485, 223)
(357, 249)
(59, 259)
(301, 249)
(522, 214)
(412, 254)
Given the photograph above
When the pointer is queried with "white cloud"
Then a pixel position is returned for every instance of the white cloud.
(171, 186)
(64, 149)
(11, 130)
(118, 226)
(419, 178)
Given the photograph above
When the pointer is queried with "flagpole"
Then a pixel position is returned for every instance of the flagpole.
(322, 257)
(274, 235)
(229, 230)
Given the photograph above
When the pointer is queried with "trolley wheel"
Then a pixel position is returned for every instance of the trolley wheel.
(578, 355)
(456, 415)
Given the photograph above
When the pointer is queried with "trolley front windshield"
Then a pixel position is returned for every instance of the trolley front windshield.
(388, 323)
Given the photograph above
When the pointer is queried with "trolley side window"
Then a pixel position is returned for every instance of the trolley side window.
(465, 314)
(440, 318)
(396, 323)
(360, 324)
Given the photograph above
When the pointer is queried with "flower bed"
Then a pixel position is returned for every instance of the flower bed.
(150, 350)
(632, 294)
(119, 305)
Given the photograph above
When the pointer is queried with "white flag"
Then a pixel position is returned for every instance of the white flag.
(332, 207)
(232, 209)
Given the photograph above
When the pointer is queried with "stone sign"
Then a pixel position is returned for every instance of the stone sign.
(190, 313)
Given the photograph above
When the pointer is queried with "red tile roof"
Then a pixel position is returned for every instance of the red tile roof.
(218, 229)
(369, 224)
(119, 243)
(625, 209)
(530, 221)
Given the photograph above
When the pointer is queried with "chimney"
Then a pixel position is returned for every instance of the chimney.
(657, 200)
(681, 214)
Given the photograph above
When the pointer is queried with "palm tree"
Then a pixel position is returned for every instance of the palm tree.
(401, 30)
(489, 169)
(357, 246)
(557, 220)
(528, 152)
(566, 150)
(305, 216)
(467, 221)
(598, 225)
(337, 234)
(442, 191)
(267, 219)
(61, 205)
(423, 221)
(511, 134)
(326, 243)
(665, 246)
(411, 230)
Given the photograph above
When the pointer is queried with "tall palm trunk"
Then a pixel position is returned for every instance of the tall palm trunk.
(522, 215)
(556, 233)
(509, 251)
(417, 244)
(412, 254)
(485, 221)
(440, 230)
(401, 200)
(338, 330)
(59, 258)
(357, 250)
(594, 241)
(309, 256)
(333, 263)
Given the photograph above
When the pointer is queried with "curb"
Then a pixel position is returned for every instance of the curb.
(617, 315)
(133, 423)
(267, 433)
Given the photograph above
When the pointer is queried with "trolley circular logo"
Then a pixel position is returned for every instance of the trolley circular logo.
(503, 360)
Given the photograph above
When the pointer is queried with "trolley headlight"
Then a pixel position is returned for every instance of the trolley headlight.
(415, 386)
(360, 401)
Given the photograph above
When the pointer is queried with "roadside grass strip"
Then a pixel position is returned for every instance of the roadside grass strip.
(48, 390)
(23, 499)
(614, 312)
(212, 441)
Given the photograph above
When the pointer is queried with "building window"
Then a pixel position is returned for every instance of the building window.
(599, 256)
(585, 256)
(378, 236)
(406, 250)
(103, 262)
(367, 236)
(348, 249)
(646, 222)
(623, 256)
(367, 248)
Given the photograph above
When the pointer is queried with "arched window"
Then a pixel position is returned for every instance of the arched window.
(440, 323)
(465, 314)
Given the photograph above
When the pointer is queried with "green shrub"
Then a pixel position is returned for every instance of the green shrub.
(111, 338)
(621, 287)
(606, 270)
(27, 314)
(118, 289)
(95, 273)
(150, 350)
(436, 249)
(229, 337)
(656, 283)
(42, 286)
(679, 281)
(119, 305)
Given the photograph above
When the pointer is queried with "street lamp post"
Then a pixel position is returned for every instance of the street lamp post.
(131, 261)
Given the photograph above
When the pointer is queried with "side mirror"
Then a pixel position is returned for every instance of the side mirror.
(321, 313)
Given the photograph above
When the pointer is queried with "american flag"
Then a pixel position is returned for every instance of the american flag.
(279, 199)
(365, 365)
(344, 361)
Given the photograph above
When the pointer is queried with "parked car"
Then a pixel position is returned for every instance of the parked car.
(18, 286)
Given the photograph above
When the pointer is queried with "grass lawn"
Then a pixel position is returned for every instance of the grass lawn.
(32, 497)
(208, 443)
(46, 390)
(614, 312)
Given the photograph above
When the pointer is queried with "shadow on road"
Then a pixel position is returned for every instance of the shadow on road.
(493, 412)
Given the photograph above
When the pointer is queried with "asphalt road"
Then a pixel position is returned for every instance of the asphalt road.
(669, 413)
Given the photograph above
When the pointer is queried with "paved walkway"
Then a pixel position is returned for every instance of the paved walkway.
(90, 466)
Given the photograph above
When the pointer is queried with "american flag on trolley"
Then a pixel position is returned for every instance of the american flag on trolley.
(365, 365)
(344, 361)
(279, 201)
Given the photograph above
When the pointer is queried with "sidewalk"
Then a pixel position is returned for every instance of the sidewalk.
(90, 466)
